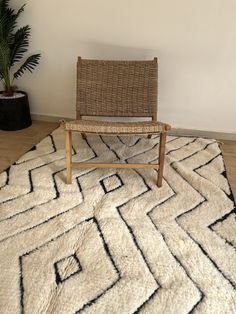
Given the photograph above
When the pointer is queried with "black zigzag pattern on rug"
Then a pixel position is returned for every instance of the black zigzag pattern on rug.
(43, 213)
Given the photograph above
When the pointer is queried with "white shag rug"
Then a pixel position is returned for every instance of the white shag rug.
(112, 242)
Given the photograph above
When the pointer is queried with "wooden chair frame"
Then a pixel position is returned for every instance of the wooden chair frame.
(82, 110)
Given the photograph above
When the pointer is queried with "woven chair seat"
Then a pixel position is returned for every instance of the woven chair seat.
(107, 127)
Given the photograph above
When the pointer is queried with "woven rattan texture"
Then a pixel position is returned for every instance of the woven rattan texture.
(105, 127)
(116, 88)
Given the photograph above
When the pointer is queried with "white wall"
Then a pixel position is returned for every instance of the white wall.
(195, 41)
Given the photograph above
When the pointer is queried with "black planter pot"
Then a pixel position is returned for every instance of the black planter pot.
(15, 113)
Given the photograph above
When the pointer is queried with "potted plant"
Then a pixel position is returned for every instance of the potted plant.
(14, 43)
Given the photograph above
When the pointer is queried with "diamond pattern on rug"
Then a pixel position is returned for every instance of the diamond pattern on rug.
(111, 183)
(67, 267)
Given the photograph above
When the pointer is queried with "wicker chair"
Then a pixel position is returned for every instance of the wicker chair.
(116, 89)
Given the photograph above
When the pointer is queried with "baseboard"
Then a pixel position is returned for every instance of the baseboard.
(174, 131)
(204, 133)
(40, 117)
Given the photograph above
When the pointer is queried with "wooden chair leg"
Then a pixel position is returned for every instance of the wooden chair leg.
(83, 136)
(68, 156)
(162, 145)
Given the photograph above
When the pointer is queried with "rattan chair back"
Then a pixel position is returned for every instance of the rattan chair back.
(117, 88)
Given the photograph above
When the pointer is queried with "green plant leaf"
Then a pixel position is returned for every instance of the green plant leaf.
(29, 65)
(7, 23)
(4, 4)
(13, 44)
(4, 56)
(20, 44)
(8, 20)
(4, 63)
